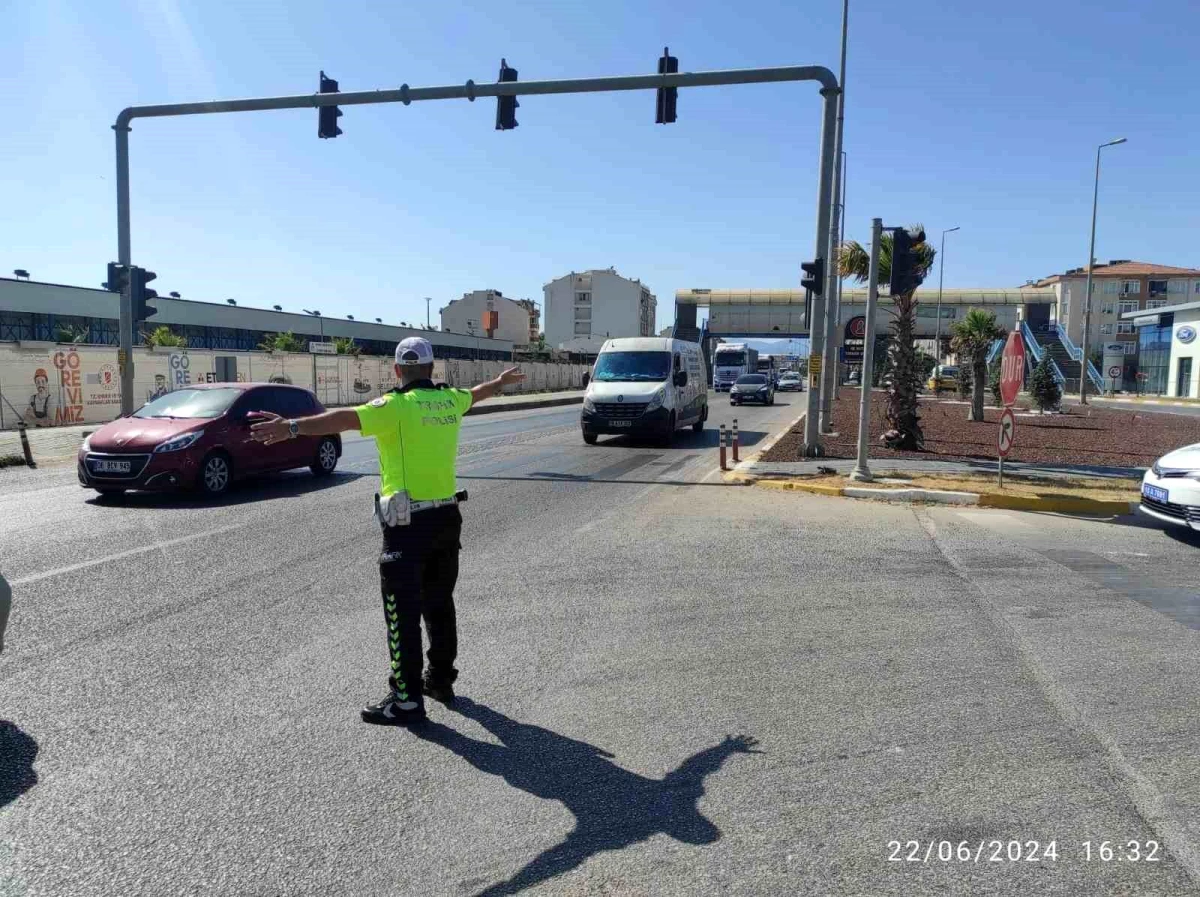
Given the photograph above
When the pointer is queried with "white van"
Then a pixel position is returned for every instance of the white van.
(648, 386)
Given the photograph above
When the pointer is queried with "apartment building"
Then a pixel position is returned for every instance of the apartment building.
(1118, 288)
(583, 309)
(515, 319)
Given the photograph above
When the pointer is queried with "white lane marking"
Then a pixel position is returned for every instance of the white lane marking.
(157, 546)
(711, 474)
(994, 519)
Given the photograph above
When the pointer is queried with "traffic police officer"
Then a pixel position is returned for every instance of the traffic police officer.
(416, 433)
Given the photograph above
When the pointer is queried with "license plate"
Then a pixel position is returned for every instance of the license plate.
(1154, 493)
(620, 423)
(111, 466)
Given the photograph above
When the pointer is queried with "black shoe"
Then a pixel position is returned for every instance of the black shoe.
(438, 689)
(393, 711)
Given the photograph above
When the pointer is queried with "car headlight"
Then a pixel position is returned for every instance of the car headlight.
(87, 444)
(656, 400)
(179, 443)
(588, 404)
(762, 388)
(1155, 469)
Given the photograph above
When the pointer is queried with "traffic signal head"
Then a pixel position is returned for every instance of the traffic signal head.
(903, 275)
(118, 277)
(816, 276)
(664, 107)
(506, 107)
(327, 116)
(142, 296)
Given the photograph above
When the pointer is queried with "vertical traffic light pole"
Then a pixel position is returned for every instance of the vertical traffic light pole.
(471, 91)
(125, 356)
(820, 304)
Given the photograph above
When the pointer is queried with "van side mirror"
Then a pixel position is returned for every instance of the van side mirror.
(586, 379)
(681, 378)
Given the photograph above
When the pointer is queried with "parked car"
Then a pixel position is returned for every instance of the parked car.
(752, 388)
(944, 376)
(790, 380)
(199, 437)
(1171, 488)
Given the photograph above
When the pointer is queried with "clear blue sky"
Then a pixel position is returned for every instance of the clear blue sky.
(958, 114)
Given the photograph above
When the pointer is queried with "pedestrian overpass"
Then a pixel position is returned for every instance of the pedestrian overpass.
(782, 314)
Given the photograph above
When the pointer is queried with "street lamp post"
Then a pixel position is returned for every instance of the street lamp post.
(937, 340)
(1087, 290)
(317, 314)
(428, 299)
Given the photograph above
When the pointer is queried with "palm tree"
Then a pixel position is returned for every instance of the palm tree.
(902, 377)
(971, 339)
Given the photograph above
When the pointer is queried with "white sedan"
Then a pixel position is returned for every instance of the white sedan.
(1171, 488)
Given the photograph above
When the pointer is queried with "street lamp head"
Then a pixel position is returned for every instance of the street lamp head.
(951, 230)
(1114, 142)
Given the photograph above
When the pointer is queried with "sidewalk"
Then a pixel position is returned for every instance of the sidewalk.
(58, 445)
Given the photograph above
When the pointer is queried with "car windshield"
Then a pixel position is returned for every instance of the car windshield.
(751, 379)
(789, 377)
(190, 403)
(948, 371)
(633, 366)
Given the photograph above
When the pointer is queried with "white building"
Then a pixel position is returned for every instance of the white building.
(583, 309)
(515, 321)
(1119, 288)
(1169, 359)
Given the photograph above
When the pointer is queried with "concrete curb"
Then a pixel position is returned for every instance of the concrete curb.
(524, 406)
(1057, 505)
(741, 470)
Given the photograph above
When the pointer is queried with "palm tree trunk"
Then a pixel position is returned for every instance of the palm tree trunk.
(979, 365)
(903, 380)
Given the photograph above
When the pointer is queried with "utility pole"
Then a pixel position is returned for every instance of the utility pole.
(1087, 290)
(829, 375)
(427, 301)
(937, 340)
(862, 471)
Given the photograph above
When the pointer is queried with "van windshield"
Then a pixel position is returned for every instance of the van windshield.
(633, 366)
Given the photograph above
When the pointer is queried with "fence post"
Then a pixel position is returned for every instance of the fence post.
(723, 464)
(25, 444)
(735, 441)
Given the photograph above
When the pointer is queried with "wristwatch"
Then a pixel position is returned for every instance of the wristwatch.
(293, 429)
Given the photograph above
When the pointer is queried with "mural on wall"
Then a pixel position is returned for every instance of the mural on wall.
(43, 406)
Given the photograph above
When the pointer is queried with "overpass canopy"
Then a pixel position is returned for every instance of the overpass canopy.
(970, 297)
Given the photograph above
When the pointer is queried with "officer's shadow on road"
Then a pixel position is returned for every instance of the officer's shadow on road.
(613, 808)
(17, 753)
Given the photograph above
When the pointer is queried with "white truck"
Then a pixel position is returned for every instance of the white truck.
(731, 361)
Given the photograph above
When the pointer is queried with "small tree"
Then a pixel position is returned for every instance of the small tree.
(165, 337)
(282, 342)
(345, 345)
(994, 385)
(69, 333)
(964, 381)
(1043, 388)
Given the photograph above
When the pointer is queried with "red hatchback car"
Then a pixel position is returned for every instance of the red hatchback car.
(199, 437)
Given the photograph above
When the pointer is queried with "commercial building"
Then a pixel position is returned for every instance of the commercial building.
(584, 309)
(1120, 289)
(50, 312)
(1168, 348)
(515, 319)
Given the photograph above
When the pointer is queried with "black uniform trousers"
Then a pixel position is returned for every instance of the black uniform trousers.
(418, 570)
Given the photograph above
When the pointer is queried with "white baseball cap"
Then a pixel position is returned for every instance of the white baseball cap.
(414, 350)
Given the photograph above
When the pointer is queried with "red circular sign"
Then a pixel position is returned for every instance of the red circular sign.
(1008, 431)
(857, 327)
(1012, 368)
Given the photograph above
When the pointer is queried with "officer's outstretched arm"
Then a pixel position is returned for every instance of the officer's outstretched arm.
(273, 428)
(492, 387)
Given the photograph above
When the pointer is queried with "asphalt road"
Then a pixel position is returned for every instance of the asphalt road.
(671, 686)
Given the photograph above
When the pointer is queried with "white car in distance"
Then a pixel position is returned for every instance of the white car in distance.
(1171, 488)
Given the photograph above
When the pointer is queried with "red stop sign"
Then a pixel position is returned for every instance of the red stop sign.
(1012, 368)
